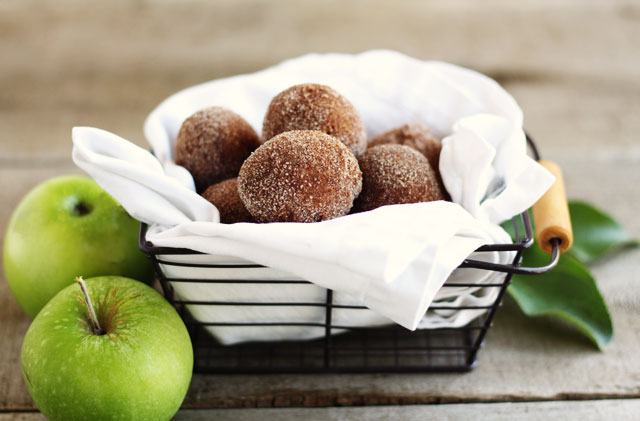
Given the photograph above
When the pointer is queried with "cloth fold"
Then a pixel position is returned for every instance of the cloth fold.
(394, 259)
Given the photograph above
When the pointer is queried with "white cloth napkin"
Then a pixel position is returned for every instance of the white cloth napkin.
(394, 259)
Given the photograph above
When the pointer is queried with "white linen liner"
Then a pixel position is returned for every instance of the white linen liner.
(394, 259)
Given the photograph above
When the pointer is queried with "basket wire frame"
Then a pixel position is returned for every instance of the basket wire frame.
(354, 349)
(345, 348)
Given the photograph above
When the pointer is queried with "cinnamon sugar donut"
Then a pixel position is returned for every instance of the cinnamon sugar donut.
(299, 176)
(394, 174)
(213, 143)
(316, 107)
(224, 195)
(418, 137)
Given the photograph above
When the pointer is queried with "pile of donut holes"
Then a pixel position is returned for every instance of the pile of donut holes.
(312, 163)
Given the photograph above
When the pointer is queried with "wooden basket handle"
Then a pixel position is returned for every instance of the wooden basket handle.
(551, 213)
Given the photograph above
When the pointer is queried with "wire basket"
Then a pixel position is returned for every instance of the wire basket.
(342, 347)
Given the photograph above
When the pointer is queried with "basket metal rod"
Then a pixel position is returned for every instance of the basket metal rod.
(327, 329)
(446, 349)
(480, 339)
(518, 270)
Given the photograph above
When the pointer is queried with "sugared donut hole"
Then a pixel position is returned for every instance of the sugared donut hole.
(395, 174)
(224, 195)
(212, 144)
(299, 176)
(316, 107)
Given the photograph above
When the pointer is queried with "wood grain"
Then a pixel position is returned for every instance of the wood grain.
(109, 64)
(13, 391)
(551, 213)
(621, 410)
(571, 64)
(26, 416)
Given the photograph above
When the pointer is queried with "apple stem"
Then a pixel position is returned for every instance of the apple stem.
(97, 330)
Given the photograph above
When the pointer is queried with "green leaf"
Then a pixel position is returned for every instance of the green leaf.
(595, 233)
(568, 292)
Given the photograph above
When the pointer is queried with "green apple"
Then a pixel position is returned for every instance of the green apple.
(138, 367)
(67, 227)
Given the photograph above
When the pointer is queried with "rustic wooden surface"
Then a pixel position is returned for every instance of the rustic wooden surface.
(533, 411)
(584, 411)
(572, 65)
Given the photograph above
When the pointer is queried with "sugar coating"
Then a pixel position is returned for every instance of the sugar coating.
(213, 143)
(418, 137)
(394, 174)
(316, 107)
(299, 176)
(224, 195)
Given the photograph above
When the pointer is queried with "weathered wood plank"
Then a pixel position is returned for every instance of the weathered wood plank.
(583, 118)
(583, 410)
(109, 64)
(543, 37)
(22, 416)
(619, 410)
(609, 181)
(13, 325)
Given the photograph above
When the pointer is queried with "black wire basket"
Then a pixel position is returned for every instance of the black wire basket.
(342, 347)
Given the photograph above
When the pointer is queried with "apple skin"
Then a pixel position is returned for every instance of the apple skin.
(139, 370)
(50, 240)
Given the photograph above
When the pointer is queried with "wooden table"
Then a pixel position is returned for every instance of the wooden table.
(572, 65)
